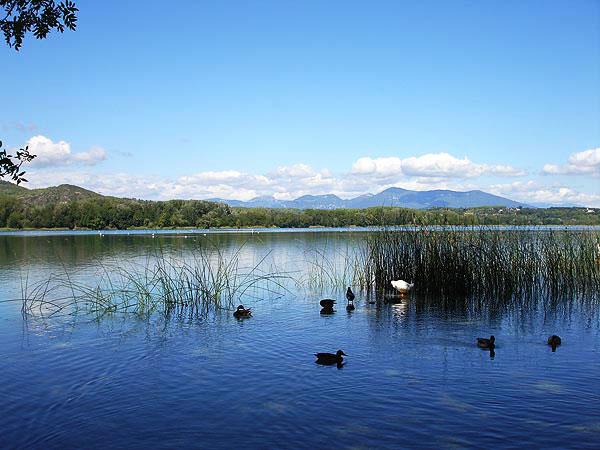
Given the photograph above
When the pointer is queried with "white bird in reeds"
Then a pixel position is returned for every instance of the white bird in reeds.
(402, 286)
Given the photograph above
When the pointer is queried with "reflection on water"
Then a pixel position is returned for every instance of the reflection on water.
(414, 376)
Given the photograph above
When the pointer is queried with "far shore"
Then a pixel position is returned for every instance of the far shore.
(273, 229)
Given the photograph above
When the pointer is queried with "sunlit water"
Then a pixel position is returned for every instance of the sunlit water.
(413, 377)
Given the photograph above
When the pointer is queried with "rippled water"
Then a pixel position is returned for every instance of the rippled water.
(413, 377)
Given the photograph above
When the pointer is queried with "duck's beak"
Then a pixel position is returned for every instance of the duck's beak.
(344, 354)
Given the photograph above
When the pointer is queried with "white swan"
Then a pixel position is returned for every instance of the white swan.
(402, 286)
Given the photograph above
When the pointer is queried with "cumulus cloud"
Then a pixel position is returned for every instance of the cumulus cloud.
(439, 165)
(223, 184)
(534, 193)
(53, 154)
(586, 162)
(283, 183)
(391, 166)
(115, 184)
(367, 175)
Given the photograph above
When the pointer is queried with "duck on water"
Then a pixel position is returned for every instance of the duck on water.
(350, 297)
(242, 312)
(402, 286)
(327, 306)
(486, 343)
(329, 359)
(554, 341)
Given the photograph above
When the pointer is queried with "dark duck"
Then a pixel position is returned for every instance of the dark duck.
(242, 312)
(554, 341)
(327, 306)
(486, 343)
(329, 359)
(350, 297)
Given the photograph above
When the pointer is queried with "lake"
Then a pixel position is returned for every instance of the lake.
(413, 378)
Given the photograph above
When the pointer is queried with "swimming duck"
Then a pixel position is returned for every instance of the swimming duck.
(554, 341)
(350, 295)
(402, 286)
(327, 303)
(241, 312)
(328, 359)
(486, 343)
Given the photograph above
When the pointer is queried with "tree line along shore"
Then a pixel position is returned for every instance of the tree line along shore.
(116, 213)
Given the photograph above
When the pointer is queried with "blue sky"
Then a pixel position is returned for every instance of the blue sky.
(237, 99)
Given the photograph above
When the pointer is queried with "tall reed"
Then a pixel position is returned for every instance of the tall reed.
(487, 262)
(212, 279)
(337, 268)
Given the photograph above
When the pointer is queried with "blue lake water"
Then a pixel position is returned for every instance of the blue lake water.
(414, 377)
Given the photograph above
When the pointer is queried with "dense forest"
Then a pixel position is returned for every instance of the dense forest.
(99, 212)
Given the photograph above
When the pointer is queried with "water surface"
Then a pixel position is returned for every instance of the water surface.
(413, 377)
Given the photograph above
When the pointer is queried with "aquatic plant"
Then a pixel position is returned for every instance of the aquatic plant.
(337, 268)
(487, 266)
(487, 262)
(212, 279)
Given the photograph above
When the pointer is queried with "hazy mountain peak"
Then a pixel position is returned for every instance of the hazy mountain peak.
(393, 196)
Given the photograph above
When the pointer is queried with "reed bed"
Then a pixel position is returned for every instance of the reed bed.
(482, 266)
(210, 280)
(488, 263)
(336, 269)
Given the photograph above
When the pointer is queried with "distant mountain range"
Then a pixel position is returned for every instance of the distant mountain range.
(390, 197)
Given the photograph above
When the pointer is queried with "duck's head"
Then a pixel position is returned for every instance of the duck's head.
(241, 308)
(492, 338)
(340, 353)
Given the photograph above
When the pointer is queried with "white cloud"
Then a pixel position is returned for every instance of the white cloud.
(506, 170)
(53, 154)
(368, 175)
(586, 162)
(230, 184)
(213, 177)
(437, 165)
(534, 193)
(440, 165)
(391, 166)
(296, 170)
(237, 185)
(115, 184)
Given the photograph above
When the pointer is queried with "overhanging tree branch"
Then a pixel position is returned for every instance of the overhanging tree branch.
(37, 16)
(10, 165)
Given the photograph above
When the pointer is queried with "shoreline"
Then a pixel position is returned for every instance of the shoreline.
(274, 230)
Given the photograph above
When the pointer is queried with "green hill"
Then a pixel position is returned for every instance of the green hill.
(68, 206)
(59, 194)
(55, 194)
(7, 188)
